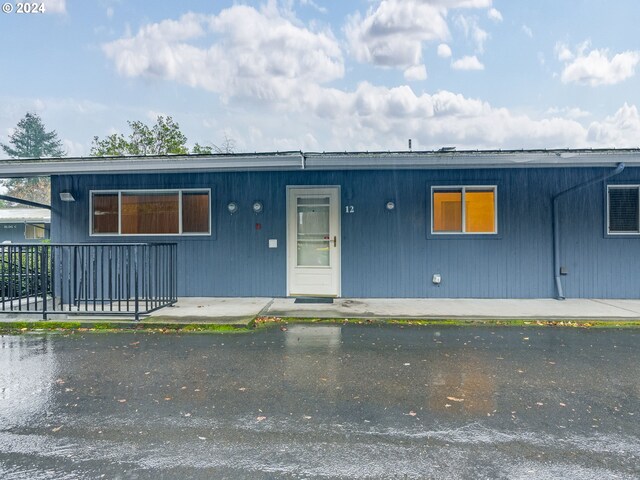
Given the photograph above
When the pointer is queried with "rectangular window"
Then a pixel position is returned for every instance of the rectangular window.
(463, 210)
(34, 231)
(105, 213)
(151, 212)
(623, 209)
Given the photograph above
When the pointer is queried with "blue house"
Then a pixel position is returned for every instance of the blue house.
(481, 224)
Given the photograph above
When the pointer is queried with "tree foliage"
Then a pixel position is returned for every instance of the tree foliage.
(228, 145)
(163, 138)
(31, 140)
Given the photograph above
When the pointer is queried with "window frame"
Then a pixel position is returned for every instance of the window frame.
(35, 227)
(463, 189)
(608, 231)
(179, 191)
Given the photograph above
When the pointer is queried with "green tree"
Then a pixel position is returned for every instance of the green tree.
(163, 138)
(31, 140)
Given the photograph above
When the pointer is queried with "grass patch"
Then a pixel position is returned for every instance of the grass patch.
(14, 328)
(268, 322)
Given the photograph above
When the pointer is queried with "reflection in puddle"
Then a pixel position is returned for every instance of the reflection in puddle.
(27, 376)
(311, 360)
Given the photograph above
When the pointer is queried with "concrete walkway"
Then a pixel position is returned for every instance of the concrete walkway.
(241, 311)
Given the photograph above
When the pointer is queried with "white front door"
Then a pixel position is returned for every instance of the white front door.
(313, 241)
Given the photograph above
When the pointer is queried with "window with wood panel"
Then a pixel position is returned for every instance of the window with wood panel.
(623, 209)
(151, 212)
(463, 210)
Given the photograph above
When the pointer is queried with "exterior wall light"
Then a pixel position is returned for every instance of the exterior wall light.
(257, 207)
(390, 205)
(232, 207)
(67, 197)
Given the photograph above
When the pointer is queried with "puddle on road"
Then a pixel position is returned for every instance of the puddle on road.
(322, 401)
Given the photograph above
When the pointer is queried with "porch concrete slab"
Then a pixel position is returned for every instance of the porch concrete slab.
(459, 308)
(223, 311)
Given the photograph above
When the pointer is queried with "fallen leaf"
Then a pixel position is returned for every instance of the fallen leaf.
(454, 399)
(242, 389)
(57, 429)
(539, 403)
(167, 398)
(446, 405)
(261, 418)
(122, 400)
(306, 417)
(412, 413)
(202, 438)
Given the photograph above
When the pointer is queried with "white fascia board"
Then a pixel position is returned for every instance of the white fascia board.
(468, 160)
(171, 164)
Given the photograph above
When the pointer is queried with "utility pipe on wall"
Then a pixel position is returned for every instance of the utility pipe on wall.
(556, 224)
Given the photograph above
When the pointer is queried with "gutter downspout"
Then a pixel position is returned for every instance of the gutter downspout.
(556, 224)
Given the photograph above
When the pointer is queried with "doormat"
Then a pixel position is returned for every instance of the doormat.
(314, 300)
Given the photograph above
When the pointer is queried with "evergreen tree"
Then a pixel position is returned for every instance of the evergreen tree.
(31, 140)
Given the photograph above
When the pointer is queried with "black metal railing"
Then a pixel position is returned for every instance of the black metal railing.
(89, 279)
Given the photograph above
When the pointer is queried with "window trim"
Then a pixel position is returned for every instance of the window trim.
(179, 191)
(464, 189)
(35, 227)
(608, 211)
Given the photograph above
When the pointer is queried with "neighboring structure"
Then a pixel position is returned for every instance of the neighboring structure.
(403, 224)
(24, 225)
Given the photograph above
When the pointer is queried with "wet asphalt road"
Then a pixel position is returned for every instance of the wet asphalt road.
(323, 402)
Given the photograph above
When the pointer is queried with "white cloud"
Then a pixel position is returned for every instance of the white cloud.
(415, 73)
(259, 54)
(261, 61)
(314, 5)
(467, 63)
(494, 15)
(472, 30)
(563, 52)
(596, 67)
(392, 32)
(109, 12)
(444, 50)
(620, 130)
(568, 112)
(55, 6)
(527, 31)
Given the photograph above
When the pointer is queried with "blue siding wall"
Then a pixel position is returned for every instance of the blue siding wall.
(389, 254)
(14, 233)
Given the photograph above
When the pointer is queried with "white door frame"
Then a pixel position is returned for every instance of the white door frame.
(338, 225)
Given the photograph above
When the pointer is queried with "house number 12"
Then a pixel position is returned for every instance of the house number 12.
(349, 209)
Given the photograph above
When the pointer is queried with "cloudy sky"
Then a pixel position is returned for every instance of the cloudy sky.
(330, 75)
